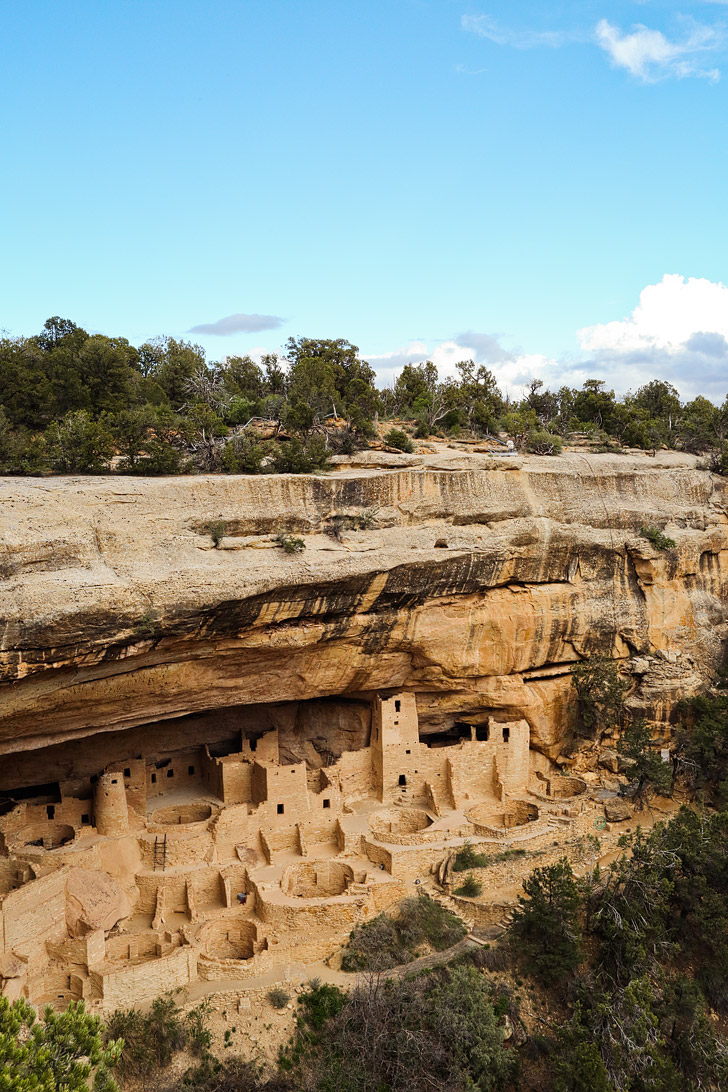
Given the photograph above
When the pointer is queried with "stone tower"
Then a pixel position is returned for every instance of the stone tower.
(110, 810)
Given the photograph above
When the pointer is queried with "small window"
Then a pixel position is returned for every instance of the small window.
(279, 809)
(191, 770)
(170, 773)
(397, 705)
(402, 779)
(506, 734)
(115, 781)
(482, 732)
(84, 818)
(154, 779)
(293, 769)
(50, 811)
(327, 803)
(408, 752)
(253, 744)
(127, 772)
(396, 722)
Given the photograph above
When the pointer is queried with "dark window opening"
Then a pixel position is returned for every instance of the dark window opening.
(85, 818)
(327, 803)
(506, 734)
(115, 781)
(190, 770)
(154, 778)
(448, 738)
(279, 809)
(39, 794)
(127, 772)
(253, 744)
(50, 811)
(402, 779)
(397, 705)
(408, 752)
(170, 773)
(482, 733)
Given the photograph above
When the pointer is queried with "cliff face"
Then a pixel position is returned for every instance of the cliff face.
(476, 583)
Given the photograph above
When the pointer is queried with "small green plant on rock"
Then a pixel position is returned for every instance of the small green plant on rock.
(216, 530)
(290, 544)
(470, 888)
(659, 540)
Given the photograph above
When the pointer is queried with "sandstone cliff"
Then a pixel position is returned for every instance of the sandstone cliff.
(476, 584)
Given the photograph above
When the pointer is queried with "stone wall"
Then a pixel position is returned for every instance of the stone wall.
(134, 984)
(33, 915)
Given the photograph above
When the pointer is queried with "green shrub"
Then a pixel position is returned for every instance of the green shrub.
(244, 455)
(216, 530)
(701, 745)
(150, 1039)
(278, 997)
(352, 521)
(470, 888)
(545, 928)
(399, 439)
(295, 457)
(659, 540)
(59, 1050)
(290, 544)
(540, 442)
(467, 858)
(646, 767)
(438, 1030)
(386, 941)
(600, 692)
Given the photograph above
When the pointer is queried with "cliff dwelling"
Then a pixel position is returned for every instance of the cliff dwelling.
(216, 859)
(215, 760)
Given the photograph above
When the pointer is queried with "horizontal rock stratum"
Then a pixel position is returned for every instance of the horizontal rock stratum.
(475, 582)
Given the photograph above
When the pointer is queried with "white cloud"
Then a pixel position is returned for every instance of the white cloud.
(677, 332)
(486, 27)
(512, 370)
(238, 324)
(650, 56)
(668, 315)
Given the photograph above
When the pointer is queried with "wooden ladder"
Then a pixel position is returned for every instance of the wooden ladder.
(160, 853)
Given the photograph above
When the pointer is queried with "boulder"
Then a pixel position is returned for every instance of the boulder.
(617, 810)
(609, 759)
(94, 900)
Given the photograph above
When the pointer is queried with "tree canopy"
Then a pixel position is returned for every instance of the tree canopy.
(74, 402)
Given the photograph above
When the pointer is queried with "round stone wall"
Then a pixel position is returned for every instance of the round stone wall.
(46, 835)
(489, 821)
(224, 939)
(401, 826)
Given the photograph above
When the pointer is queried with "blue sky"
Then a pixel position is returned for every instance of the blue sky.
(422, 177)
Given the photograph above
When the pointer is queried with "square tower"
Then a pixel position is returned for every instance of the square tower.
(395, 742)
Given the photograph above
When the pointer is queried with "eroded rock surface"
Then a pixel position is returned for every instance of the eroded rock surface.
(118, 610)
